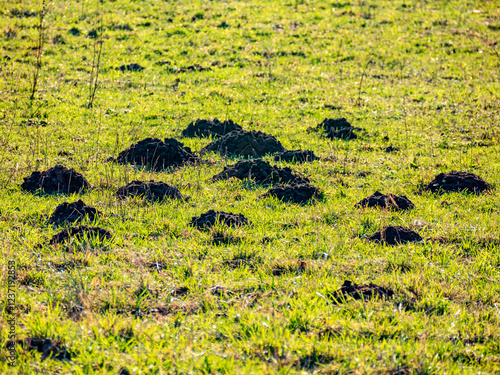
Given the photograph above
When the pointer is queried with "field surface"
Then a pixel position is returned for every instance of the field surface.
(161, 296)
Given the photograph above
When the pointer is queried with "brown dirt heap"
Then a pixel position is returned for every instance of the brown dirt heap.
(338, 128)
(295, 193)
(458, 182)
(259, 171)
(389, 202)
(80, 233)
(207, 128)
(394, 235)
(296, 156)
(248, 144)
(210, 218)
(361, 292)
(57, 179)
(157, 155)
(72, 213)
(153, 191)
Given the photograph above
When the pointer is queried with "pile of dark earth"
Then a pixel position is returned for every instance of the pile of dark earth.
(337, 128)
(260, 172)
(134, 67)
(211, 218)
(152, 191)
(72, 213)
(157, 155)
(296, 156)
(44, 346)
(361, 292)
(389, 202)
(80, 233)
(207, 128)
(57, 179)
(294, 193)
(394, 235)
(247, 144)
(390, 149)
(458, 182)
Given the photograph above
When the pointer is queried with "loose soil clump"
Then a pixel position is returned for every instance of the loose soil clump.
(72, 213)
(338, 128)
(294, 193)
(394, 235)
(57, 179)
(391, 149)
(210, 218)
(157, 154)
(134, 67)
(389, 202)
(152, 191)
(45, 346)
(296, 156)
(260, 172)
(248, 144)
(361, 292)
(207, 128)
(80, 233)
(458, 182)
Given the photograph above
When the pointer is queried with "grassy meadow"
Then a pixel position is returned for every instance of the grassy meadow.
(161, 297)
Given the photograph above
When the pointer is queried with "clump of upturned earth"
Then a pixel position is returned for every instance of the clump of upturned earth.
(260, 172)
(458, 182)
(207, 128)
(150, 190)
(211, 218)
(79, 233)
(57, 179)
(294, 193)
(73, 213)
(361, 292)
(157, 155)
(387, 201)
(338, 128)
(296, 156)
(394, 235)
(247, 144)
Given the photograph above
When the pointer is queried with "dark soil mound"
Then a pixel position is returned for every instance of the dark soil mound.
(338, 128)
(295, 193)
(58, 179)
(296, 156)
(248, 144)
(157, 154)
(134, 67)
(80, 233)
(207, 128)
(260, 172)
(210, 218)
(389, 201)
(390, 149)
(153, 191)
(73, 212)
(45, 346)
(363, 292)
(393, 235)
(458, 182)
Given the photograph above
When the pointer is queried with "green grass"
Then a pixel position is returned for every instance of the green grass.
(161, 297)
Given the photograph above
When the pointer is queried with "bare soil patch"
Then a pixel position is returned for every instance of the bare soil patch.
(47, 347)
(157, 154)
(134, 67)
(259, 171)
(150, 190)
(57, 179)
(338, 128)
(386, 201)
(296, 156)
(73, 213)
(207, 128)
(247, 144)
(211, 218)
(458, 182)
(394, 235)
(294, 193)
(361, 292)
